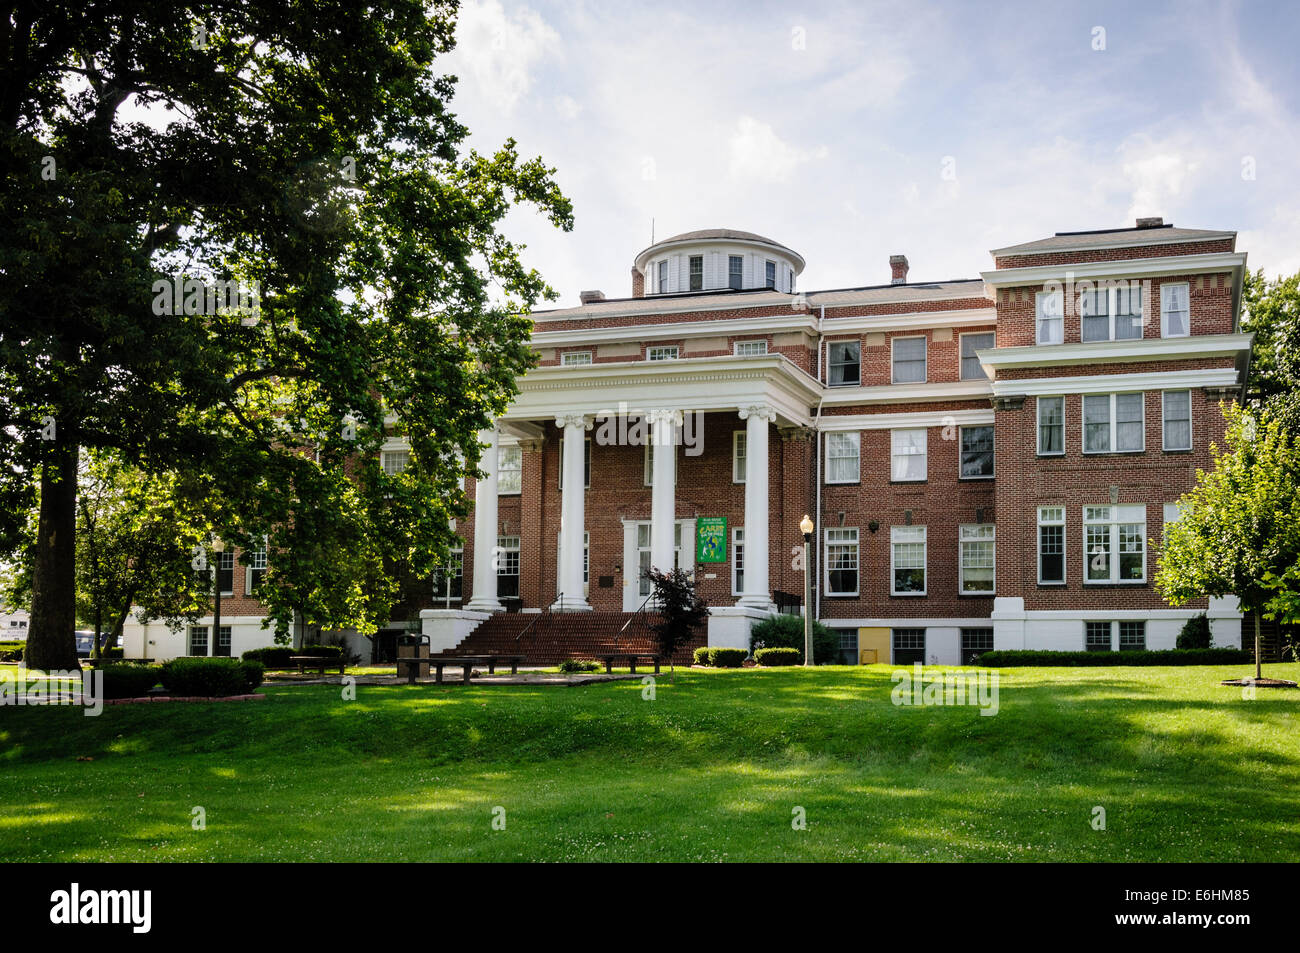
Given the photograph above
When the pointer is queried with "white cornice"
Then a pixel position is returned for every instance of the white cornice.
(1118, 383)
(964, 317)
(901, 393)
(1013, 250)
(1099, 352)
(886, 421)
(676, 329)
(1120, 268)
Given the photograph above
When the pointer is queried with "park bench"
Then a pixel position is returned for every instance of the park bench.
(316, 662)
(465, 662)
(632, 658)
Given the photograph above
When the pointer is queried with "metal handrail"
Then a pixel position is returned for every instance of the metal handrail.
(546, 611)
(632, 619)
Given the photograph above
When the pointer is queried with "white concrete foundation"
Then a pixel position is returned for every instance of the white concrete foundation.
(447, 628)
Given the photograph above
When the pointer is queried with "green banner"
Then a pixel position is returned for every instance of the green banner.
(711, 540)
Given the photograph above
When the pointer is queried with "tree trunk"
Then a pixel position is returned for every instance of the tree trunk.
(1258, 672)
(52, 642)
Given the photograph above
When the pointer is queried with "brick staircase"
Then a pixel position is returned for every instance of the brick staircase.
(557, 636)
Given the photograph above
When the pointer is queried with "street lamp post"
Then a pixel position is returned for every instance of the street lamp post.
(806, 527)
(218, 547)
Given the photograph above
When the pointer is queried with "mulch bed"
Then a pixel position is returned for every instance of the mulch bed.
(184, 698)
(1259, 682)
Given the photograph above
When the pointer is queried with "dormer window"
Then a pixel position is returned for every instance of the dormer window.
(735, 272)
(697, 272)
(771, 275)
(663, 276)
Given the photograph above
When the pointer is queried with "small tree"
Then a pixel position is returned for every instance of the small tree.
(1239, 532)
(681, 611)
(1195, 633)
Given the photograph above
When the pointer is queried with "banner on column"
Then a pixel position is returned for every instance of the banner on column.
(711, 539)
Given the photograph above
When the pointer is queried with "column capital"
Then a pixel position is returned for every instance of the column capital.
(585, 421)
(665, 415)
(762, 411)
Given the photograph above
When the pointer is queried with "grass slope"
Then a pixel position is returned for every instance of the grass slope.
(710, 770)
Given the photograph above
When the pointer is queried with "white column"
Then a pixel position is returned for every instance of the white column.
(572, 513)
(663, 498)
(484, 597)
(758, 591)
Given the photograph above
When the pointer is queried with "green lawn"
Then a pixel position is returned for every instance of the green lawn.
(710, 770)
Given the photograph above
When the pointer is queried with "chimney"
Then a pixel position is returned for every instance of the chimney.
(587, 297)
(1156, 222)
(898, 269)
(638, 283)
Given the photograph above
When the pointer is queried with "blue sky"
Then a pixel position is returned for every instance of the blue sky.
(853, 131)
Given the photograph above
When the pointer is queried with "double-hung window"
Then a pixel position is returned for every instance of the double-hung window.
(908, 360)
(976, 563)
(1114, 543)
(842, 458)
(697, 272)
(977, 452)
(198, 640)
(506, 558)
(738, 561)
(971, 369)
(770, 274)
(844, 363)
(735, 271)
(1051, 426)
(1175, 310)
(1050, 317)
(226, 572)
(448, 578)
(1176, 409)
(907, 560)
(1051, 545)
(663, 276)
(739, 442)
(510, 470)
(256, 571)
(908, 455)
(394, 461)
(1113, 423)
(842, 561)
(1111, 312)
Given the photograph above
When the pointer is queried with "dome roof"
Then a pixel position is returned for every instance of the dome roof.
(720, 235)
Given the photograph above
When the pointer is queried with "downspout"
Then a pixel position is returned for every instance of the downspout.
(817, 472)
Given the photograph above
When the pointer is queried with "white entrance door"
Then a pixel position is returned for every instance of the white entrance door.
(636, 557)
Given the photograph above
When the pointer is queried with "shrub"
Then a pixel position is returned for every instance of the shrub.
(12, 651)
(273, 656)
(702, 655)
(129, 681)
(778, 655)
(727, 658)
(211, 677)
(1020, 658)
(786, 631)
(1195, 633)
(319, 651)
(579, 665)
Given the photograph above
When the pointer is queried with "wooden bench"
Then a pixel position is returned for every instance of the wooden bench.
(465, 662)
(632, 658)
(317, 662)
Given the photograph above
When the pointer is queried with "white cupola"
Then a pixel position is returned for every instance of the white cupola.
(715, 259)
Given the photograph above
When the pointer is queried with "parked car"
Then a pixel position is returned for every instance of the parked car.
(85, 642)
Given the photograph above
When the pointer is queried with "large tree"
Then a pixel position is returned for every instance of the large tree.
(1239, 528)
(305, 151)
(1271, 312)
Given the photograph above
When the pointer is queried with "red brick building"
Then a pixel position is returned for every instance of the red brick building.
(987, 461)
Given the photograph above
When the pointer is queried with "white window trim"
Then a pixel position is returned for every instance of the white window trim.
(1064, 523)
(737, 458)
(1112, 305)
(960, 476)
(925, 432)
(776, 274)
(663, 277)
(1164, 439)
(690, 259)
(736, 347)
(650, 349)
(566, 362)
(826, 561)
(925, 359)
(961, 565)
(1060, 317)
(1038, 425)
(961, 346)
(1114, 426)
(857, 442)
(518, 492)
(1114, 524)
(737, 540)
(854, 383)
(925, 560)
(1164, 330)
(249, 567)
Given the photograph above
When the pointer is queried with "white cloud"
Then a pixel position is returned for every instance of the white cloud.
(759, 154)
(495, 53)
(1157, 178)
(568, 108)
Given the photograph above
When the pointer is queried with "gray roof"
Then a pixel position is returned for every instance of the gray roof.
(1108, 238)
(719, 234)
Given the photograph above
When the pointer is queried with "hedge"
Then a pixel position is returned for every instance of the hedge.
(786, 631)
(780, 655)
(129, 681)
(720, 657)
(211, 677)
(1019, 658)
(277, 656)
